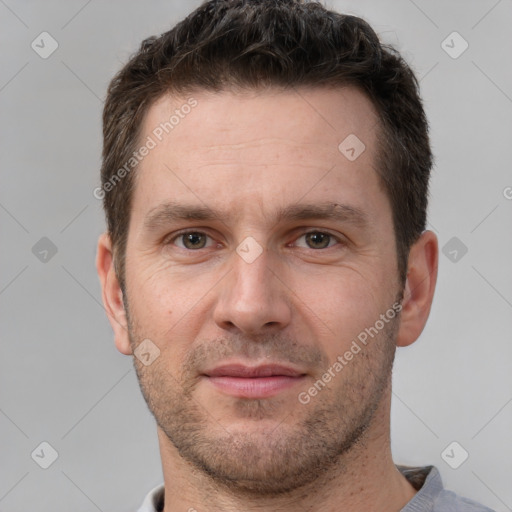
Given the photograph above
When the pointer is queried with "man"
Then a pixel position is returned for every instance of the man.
(265, 175)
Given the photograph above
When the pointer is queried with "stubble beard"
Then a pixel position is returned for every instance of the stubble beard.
(294, 453)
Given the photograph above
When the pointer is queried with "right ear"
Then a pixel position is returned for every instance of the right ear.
(112, 294)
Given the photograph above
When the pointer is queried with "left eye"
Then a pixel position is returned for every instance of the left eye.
(317, 240)
(191, 240)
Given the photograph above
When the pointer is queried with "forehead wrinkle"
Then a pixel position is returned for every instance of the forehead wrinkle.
(299, 153)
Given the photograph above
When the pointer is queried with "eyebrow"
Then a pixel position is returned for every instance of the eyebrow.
(170, 212)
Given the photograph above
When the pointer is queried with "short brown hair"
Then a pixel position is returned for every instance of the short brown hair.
(272, 43)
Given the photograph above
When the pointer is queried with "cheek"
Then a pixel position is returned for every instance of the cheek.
(158, 288)
(339, 305)
(169, 305)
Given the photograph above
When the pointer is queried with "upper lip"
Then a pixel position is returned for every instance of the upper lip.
(240, 370)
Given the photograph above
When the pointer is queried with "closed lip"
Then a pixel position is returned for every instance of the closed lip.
(253, 372)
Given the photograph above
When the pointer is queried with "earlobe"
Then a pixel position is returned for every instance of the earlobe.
(419, 288)
(112, 294)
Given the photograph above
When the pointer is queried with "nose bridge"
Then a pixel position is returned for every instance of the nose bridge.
(252, 298)
(251, 273)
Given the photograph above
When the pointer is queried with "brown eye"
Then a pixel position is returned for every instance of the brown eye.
(317, 240)
(192, 240)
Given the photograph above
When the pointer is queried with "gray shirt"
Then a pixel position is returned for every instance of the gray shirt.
(431, 495)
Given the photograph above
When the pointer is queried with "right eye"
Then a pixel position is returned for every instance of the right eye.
(191, 240)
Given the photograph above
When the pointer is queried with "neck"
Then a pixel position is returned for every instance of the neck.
(365, 478)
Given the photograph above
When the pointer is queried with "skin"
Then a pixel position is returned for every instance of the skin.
(245, 156)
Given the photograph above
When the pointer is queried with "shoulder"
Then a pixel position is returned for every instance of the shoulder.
(448, 501)
(432, 496)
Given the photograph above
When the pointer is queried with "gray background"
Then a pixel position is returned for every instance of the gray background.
(62, 380)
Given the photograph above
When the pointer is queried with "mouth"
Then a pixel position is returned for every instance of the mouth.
(253, 381)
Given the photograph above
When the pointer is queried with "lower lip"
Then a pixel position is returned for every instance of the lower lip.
(256, 387)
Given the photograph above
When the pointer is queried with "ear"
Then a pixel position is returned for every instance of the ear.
(419, 288)
(112, 294)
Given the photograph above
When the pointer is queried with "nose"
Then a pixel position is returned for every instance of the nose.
(253, 298)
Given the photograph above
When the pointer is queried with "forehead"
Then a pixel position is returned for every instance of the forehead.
(320, 115)
(269, 143)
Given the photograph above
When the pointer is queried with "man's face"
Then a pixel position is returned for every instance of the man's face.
(290, 255)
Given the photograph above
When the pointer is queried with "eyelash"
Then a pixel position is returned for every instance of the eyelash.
(188, 231)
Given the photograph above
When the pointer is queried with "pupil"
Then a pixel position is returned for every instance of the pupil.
(194, 240)
(318, 240)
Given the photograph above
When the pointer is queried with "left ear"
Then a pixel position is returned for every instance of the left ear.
(419, 288)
